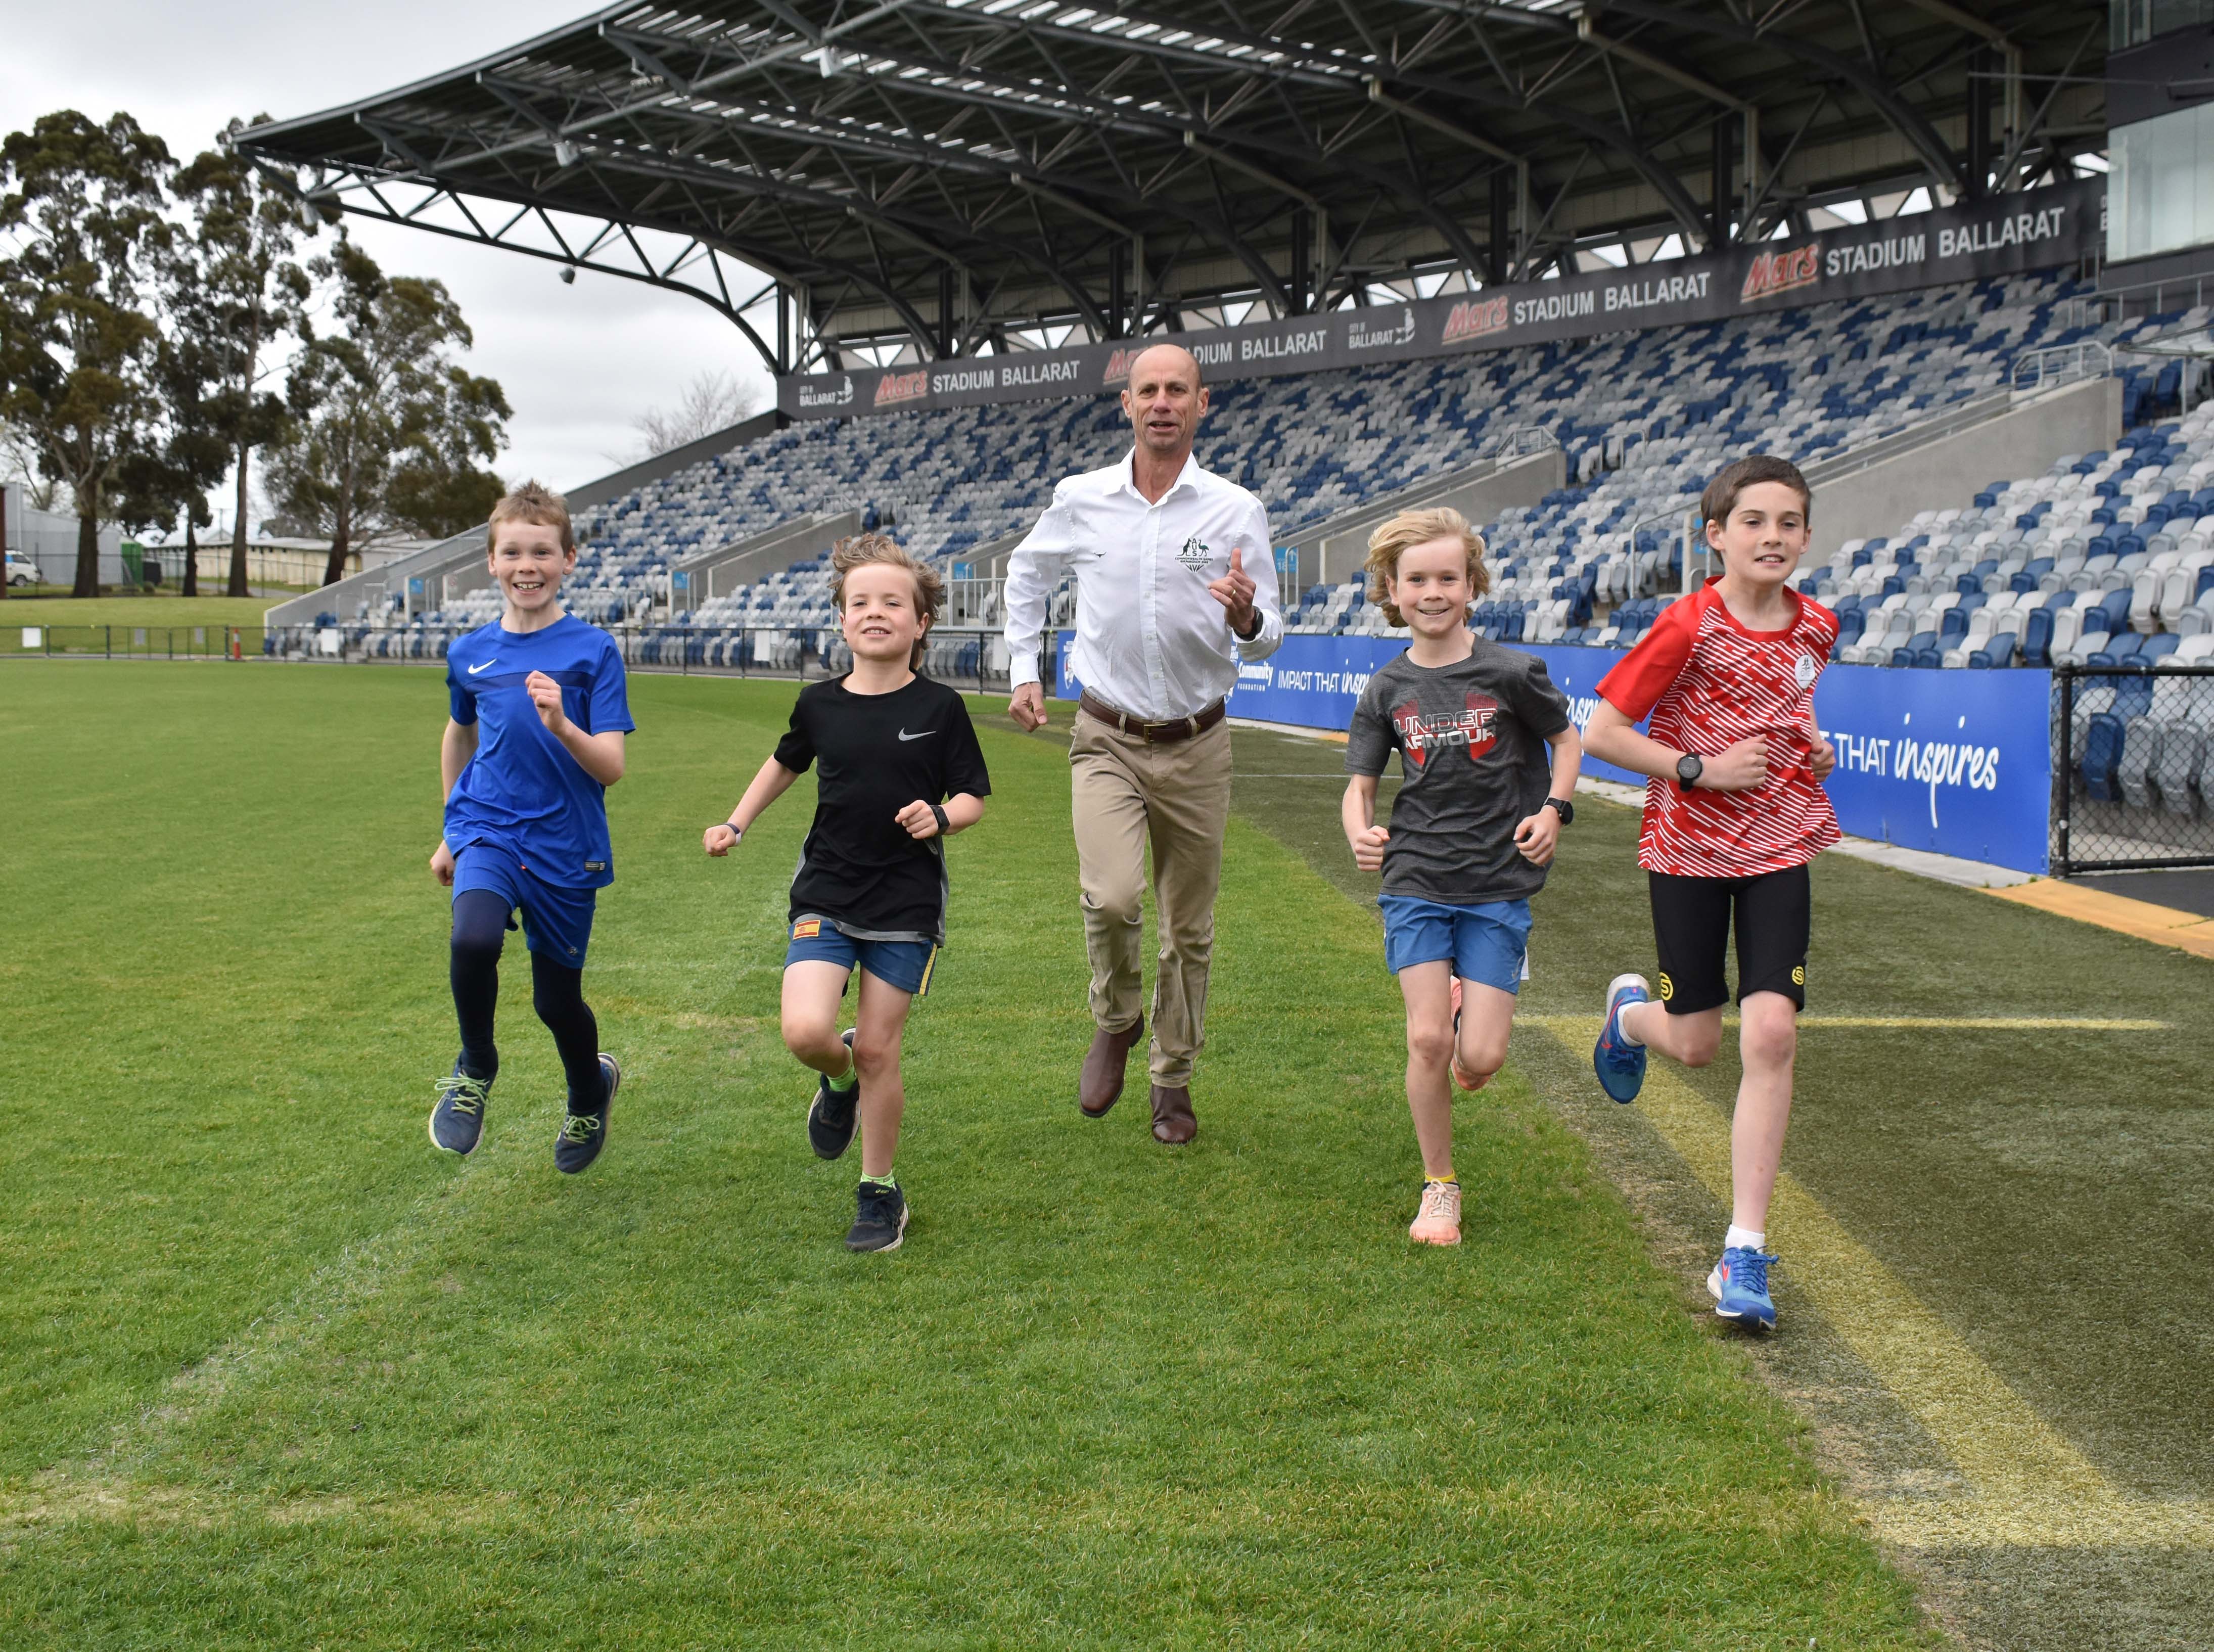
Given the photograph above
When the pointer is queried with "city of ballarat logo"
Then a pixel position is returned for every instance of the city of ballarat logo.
(1194, 554)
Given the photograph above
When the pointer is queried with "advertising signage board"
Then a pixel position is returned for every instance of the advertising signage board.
(2038, 229)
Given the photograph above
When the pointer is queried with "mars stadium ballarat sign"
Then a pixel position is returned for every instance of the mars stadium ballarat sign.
(2038, 229)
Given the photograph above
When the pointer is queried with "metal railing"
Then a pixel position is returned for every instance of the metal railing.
(2059, 364)
(2132, 768)
(131, 641)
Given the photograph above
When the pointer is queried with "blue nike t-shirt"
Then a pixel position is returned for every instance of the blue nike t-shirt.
(523, 791)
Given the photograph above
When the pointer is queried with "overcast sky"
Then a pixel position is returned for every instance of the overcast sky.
(579, 362)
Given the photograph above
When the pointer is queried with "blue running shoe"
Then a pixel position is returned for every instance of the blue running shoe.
(1620, 1065)
(833, 1114)
(582, 1135)
(1738, 1285)
(457, 1121)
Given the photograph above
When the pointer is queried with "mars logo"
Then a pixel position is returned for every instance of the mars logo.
(1775, 272)
(1472, 318)
(895, 388)
(1118, 366)
(1422, 732)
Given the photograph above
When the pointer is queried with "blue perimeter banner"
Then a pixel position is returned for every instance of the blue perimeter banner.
(1958, 762)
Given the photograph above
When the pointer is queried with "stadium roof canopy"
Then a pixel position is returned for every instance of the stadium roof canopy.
(916, 179)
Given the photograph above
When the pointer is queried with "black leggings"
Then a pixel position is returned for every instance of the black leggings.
(481, 924)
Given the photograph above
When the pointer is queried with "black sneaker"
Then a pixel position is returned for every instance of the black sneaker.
(457, 1121)
(880, 1221)
(833, 1114)
(582, 1134)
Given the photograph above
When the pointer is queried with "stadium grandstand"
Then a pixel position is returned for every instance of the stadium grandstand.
(1552, 263)
(959, 193)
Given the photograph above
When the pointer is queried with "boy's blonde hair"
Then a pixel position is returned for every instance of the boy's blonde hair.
(861, 550)
(1412, 528)
(535, 503)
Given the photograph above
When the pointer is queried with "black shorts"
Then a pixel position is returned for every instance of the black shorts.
(1692, 931)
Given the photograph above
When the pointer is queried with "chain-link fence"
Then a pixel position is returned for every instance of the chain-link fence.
(2132, 768)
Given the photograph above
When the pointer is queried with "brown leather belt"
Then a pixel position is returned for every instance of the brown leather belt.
(1153, 734)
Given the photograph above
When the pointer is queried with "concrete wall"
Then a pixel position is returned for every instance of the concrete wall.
(725, 569)
(455, 566)
(1331, 551)
(1855, 501)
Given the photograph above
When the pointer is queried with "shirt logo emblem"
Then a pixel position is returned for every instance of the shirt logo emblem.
(486, 666)
(925, 735)
(1194, 555)
(1804, 670)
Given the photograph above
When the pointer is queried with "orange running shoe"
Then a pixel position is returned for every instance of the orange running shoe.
(1438, 1222)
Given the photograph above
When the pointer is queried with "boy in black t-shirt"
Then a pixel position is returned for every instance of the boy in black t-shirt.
(901, 771)
(1487, 761)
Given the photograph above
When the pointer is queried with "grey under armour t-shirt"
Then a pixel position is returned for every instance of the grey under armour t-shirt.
(1472, 738)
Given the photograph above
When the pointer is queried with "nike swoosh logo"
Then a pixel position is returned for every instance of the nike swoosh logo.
(925, 735)
(486, 666)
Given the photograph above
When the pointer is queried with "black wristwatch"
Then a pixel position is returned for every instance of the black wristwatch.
(1688, 770)
(945, 826)
(1567, 810)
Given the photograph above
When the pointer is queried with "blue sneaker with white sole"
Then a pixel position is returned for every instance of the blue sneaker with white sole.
(1738, 1285)
(457, 1121)
(582, 1135)
(1620, 1064)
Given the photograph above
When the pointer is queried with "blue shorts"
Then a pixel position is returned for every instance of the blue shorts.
(906, 965)
(557, 919)
(1486, 943)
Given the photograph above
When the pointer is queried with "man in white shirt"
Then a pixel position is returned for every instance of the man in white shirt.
(1176, 582)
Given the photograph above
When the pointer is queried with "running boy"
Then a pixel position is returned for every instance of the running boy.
(1473, 828)
(536, 737)
(1734, 809)
(901, 771)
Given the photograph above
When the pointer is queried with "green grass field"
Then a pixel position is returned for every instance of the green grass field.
(272, 1373)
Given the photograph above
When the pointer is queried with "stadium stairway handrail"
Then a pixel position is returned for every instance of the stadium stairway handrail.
(1531, 471)
(344, 596)
(739, 562)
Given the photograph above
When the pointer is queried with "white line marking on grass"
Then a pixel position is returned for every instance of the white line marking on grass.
(1589, 1023)
(101, 1485)
(2032, 1488)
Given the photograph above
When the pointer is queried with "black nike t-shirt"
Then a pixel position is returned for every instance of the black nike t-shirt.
(860, 870)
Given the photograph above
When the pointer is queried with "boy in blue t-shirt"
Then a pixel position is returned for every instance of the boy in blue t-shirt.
(539, 714)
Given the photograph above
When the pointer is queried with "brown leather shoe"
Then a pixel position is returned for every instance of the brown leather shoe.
(1173, 1123)
(1100, 1085)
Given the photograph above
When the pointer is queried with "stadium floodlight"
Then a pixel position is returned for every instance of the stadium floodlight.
(565, 152)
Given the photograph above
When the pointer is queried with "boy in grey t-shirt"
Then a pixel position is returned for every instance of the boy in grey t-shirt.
(1473, 828)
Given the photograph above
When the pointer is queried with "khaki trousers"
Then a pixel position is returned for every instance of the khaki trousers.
(1126, 795)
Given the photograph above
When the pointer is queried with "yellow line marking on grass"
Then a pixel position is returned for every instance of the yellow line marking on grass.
(1588, 1024)
(2031, 1488)
(2163, 926)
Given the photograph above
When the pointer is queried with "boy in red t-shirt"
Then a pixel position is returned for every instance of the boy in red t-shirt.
(1734, 809)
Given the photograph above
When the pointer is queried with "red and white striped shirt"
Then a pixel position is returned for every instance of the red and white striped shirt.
(1708, 683)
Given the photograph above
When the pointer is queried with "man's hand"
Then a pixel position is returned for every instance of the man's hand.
(1368, 848)
(1822, 759)
(918, 820)
(719, 840)
(1027, 707)
(1536, 836)
(1740, 768)
(546, 694)
(1234, 590)
(442, 864)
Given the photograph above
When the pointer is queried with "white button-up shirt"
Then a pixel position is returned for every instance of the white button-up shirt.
(1150, 640)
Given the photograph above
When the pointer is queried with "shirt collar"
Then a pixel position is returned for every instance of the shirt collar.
(1188, 477)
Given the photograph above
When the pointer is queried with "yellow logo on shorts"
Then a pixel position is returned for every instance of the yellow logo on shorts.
(807, 929)
(1798, 975)
(1668, 988)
